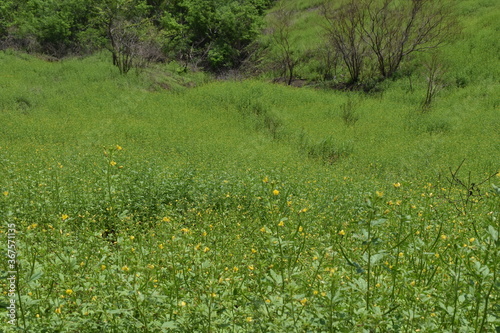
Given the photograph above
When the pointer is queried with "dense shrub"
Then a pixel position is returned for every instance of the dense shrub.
(212, 33)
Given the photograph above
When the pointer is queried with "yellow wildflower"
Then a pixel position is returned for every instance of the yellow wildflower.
(125, 268)
(69, 291)
(396, 185)
(341, 233)
(276, 192)
(112, 163)
(64, 216)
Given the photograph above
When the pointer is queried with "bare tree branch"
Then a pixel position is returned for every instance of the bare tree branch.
(385, 32)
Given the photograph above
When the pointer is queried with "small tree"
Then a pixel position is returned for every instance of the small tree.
(385, 32)
(434, 75)
(281, 25)
(344, 33)
(124, 40)
(129, 32)
(395, 29)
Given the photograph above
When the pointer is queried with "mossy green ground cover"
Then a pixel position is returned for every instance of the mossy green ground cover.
(250, 207)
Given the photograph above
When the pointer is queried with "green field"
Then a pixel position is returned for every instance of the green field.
(165, 201)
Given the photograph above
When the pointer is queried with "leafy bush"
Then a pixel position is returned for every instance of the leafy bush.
(214, 33)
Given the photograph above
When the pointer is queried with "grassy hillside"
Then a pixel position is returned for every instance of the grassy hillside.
(164, 201)
(473, 55)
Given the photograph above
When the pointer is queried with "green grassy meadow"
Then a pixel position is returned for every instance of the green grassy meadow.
(169, 202)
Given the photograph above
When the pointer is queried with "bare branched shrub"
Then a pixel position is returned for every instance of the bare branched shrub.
(281, 25)
(462, 192)
(344, 33)
(385, 32)
(123, 44)
(133, 45)
(132, 37)
(396, 29)
(329, 61)
(434, 75)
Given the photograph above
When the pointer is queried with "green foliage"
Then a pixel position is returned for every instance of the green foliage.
(213, 33)
(221, 30)
(52, 27)
(6, 9)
